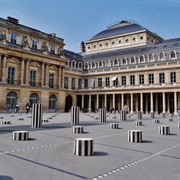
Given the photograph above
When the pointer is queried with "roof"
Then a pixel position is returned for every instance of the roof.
(72, 55)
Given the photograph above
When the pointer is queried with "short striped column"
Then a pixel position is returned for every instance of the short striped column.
(169, 119)
(138, 123)
(102, 115)
(152, 115)
(45, 120)
(77, 129)
(36, 120)
(75, 115)
(164, 130)
(163, 115)
(139, 115)
(113, 125)
(178, 126)
(20, 119)
(83, 147)
(20, 135)
(135, 136)
(155, 121)
(123, 115)
(6, 122)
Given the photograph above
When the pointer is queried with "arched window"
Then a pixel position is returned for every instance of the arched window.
(11, 99)
(73, 64)
(124, 61)
(108, 63)
(141, 59)
(52, 102)
(80, 65)
(132, 60)
(86, 66)
(172, 55)
(116, 62)
(151, 57)
(93, 64)
(33, 99)
(100, 63)
(161, 56)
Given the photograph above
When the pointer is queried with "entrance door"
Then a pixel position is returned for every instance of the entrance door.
(68, 104)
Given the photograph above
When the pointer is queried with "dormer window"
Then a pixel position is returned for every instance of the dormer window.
(127, 40)
(113, 43)
(124, 61)
(13, 37)
(100, 63)
(161, 56)
(119, 41)
(132, 60)
(115, 62)
(141, 38)
(73, 64)
(52, 48)
(34, 43)
(172, 55)
(151, 58)
(141, 59)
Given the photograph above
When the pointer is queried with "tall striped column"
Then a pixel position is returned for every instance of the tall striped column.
(123, 115)
(36, 119)
(75, 115)
(102, 115)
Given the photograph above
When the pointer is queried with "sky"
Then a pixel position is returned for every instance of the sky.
(79, 20)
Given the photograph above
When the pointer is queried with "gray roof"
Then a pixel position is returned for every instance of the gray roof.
(72, 55)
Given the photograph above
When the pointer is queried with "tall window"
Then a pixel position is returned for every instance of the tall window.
(100, 63)
(93, 64)
(141, 59)
(123, 80)
(13, 37)
(151, 78)
(11, 72)
(73, 83)
(11, 99)
(107, 82)
(52, 102)
(161, 56)
(99, 82)
(132, 80)
(66, 82)
(124, 61)
(85, 83)
(33, 78)
(173, 77)
(34, 43)
(79, 83)
(132, 60)
(161, 78)
(151, 58)
(51, 80)
(116, 62)
(141, 79)
(33, 99)
(173, 55)
(115, 82)
(52, 48)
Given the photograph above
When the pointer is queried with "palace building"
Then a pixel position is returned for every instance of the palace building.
(124, 64)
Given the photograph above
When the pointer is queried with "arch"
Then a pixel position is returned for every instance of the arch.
(73, 64)
(80, 65)
(161, 56)
(11, 99)
(172, 55)
(93, 65)
(133, 60)
(100, 64)
(151, 57)
(33, 99)
(108, 63)
(141, 58)
(52, 103)
(86, 65)
(124, 60)
(68, 103)
(116, 63)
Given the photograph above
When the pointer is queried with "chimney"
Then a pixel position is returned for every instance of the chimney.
(12, 20)
(82, 46)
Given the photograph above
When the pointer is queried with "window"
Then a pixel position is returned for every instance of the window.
(161, 56)
(11, 99)
(141, 38)
(127, 40)
(141, 59)
(94, 46)
(93, 64)
(113, 43)
(106, 44)
(13, 37)
(79, 83)
(124, 61)
(80, 65)
(89, 47)
(123, 80)
(151, 58)
(85, 83)
(115, 82)
(34, 43)
(73, 83)
(100, 45)
(86, 66)
(107, 82)
(161, 78)
(52, 102)
(115, 62)
(151, 78)
(33, 99)
(141, 79)
(173, 77)
(173, 55)
(51, 80)
(99, 82)
(100, 63)
(32, 78)
(11, 72)
(119, 41)
(134, 39)
(52, 48)
(132, 60)
(73, 64)
(132, 80)
(66, 82)
(108, 63)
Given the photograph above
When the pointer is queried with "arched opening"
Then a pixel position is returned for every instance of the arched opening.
(68, 103)
(11, 100)
(33, 99)
(52, 103)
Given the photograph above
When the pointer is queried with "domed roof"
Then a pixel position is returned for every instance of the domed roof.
(117, 29)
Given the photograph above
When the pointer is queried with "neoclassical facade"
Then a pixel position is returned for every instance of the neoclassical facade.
(124, 64)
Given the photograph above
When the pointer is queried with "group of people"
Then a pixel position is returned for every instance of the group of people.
(17, 108)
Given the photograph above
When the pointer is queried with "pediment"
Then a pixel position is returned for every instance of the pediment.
(13, 60)
(54, 68)
(35, 64)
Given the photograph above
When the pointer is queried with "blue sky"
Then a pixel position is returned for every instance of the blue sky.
(79, 20)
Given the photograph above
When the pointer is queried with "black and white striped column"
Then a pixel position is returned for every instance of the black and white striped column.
(152, 115)
(77, 129)
(36, 119)
(20, 135)
(155, 121)
(113, 125)
(135, 136)
(123, 115)
(6, 122)
(139, 115)
(164, 130)
(169, 119)
(75, 115)
(138, 123)
(102, 115)
(83, 147)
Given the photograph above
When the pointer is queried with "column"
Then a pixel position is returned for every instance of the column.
(4, 68)
(27, 72)
(59, 78)
(82, 102)
(97, 102)
(113, 101)
(47, 75)
(141, 102)
(0, 66)
(42, 75)
(105, 101)
(146, 103)
(22, 71)
(168, 103)
(175, 102)
(164, 103)
(122, 101)
(89, 101)
(152, 103)
(62, 85)
(156, 102)
(131, 103)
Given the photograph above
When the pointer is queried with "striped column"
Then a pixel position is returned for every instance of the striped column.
(83, 147)
(138, 123)
(169, 119)
(20, 135)
(155, 121)
(135, 136)
(139, 115)
(36, 119)
(164, 130)
(75, 115)
(6, 122)
(77, 129)
(123, 115)
(113, 125)
(152, 115)
(102, 115)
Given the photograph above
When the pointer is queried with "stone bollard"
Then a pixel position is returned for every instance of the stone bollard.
(152, 115)
(75, 115)
(163, 115)
(138, 123)
(102, 115)
(139, 115)
(6, 122)
(123, 115)
(164, 130)
(36, 120)
(113, 125)
(155, 121)
(45, 120)
(20, 135)
(135, 136)
(178, 126)
(83, 147)
(77, 129)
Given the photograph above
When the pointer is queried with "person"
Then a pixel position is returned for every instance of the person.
(125, 108)
(7, 107)
(16, 108)
(27, 108)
